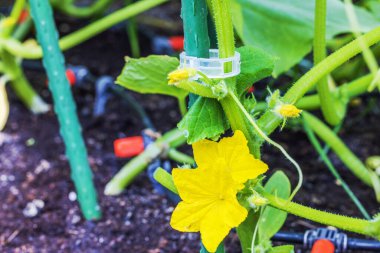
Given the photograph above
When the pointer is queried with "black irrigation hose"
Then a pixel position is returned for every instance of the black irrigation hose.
(352, 243)
(117, 90)
(134, 105)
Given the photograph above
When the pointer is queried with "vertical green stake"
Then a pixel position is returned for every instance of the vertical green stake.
(65, 108)
(197, 43)
(194, 15)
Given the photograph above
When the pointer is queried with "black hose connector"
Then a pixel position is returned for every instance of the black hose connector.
(341, 241)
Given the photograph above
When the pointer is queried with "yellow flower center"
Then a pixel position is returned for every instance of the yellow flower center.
(288, 111)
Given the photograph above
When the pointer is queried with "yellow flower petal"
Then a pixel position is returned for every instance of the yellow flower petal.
(242, 164)
(221, 218)
(194, 184)
(187, 216)
(205, 152)
(246, 167)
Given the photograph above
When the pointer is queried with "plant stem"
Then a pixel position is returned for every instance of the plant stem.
(332, 110)
(224, 28)
(196, 88)
(69, 8)
(165, 179)
(65, 108)
(125, 176)
(75, 38)
(342, 222)
(180, 157)
(4, 103)
(226, 46)
(15, 14)
(270, 121)
(136, 106)
(133, 34)
(330, 166)
(368, 56)
(238, 121)
(182, 105)
(346, 91)
(22, 30)
(343, 152)
(21, 86)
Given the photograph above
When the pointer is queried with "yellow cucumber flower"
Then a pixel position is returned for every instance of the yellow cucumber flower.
(181, 74)
(209, 203)
(288, 111)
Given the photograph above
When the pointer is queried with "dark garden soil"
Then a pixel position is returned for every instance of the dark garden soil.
(33, 167)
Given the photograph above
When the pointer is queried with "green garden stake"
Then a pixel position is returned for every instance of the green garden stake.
(194, 15)
(196, 40)
(65, 108)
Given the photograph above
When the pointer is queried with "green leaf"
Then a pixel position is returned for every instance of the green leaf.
(272, 219)
(246, 229)
(220, 249)
(374, 7)
(205, 119)
(282, 249)
(255, 65)
(285, 28)
(149, 75)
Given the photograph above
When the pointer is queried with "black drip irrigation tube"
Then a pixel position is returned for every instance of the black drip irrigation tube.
(105, 87)
(342, 242)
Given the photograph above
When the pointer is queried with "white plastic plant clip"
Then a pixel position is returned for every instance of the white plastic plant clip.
(212, 67)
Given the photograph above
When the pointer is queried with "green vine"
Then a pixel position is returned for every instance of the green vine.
(332, 108)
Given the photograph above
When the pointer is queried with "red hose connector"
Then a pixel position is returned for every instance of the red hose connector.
(128, 147)
(23, 16)
(323, 246)
(70, 74)
(176, 43)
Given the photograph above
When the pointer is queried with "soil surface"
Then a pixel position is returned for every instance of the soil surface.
(33, 167)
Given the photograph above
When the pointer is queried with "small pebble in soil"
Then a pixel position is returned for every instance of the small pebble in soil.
(75, 219)
(14, 190)
(7, 178)
(32, 208)
(42, 167)
(72, 196)
(4, 138)
(30, 142)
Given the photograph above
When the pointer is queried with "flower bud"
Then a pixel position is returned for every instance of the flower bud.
(181, 74)
(256, 200)
(220, 89)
